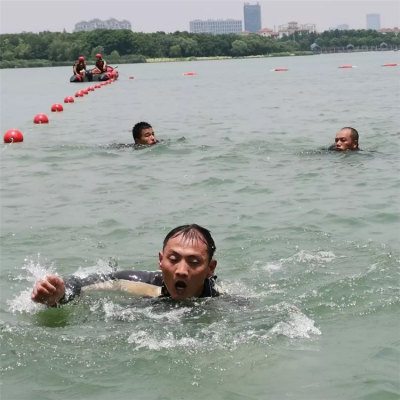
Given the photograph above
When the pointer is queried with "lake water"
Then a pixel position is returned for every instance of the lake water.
(307, 240)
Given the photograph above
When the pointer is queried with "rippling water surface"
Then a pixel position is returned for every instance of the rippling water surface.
(307, 240)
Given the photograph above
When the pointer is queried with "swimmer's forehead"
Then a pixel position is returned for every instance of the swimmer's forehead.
(343, 133)
(194, 240)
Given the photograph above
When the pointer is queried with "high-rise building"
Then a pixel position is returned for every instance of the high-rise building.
(216, 27)
(374, 21)
(252, 17)
(343, 27)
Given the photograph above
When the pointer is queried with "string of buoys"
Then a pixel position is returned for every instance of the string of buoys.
(15, 136)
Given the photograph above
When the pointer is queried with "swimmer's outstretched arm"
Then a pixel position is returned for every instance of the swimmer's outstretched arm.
(55, 290)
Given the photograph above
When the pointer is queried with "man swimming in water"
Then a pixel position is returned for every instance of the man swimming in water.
(186, 271)
(346, 139)
(143, 134)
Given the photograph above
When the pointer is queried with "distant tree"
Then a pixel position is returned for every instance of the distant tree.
(239, 48)
(175, 51)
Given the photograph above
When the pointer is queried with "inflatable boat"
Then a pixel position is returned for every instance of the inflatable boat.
(111, 73)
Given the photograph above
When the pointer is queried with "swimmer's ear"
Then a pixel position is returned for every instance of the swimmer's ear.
(160, 258)
(212, 266)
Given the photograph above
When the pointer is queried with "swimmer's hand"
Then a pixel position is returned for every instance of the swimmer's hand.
(49, 291)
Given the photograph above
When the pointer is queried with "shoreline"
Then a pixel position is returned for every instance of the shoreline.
(46, 63)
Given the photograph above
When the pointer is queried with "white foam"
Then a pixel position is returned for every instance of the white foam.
(321, 257)
(298, 326)
(34, 272)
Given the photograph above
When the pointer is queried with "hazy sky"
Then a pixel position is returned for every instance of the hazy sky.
(170, 16)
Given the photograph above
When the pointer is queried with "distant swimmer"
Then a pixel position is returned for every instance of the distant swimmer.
(143, 134)
(186, 271)
(346, 139)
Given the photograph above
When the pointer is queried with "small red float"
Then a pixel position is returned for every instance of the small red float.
(90, 89)
(346, 66)
(281, 69)
(41, 119)
(57, 108)
(85, 91)
(69, 99)
(131, 77)
(189, 73)
(78, 94)
(13, 136)
(390, 65)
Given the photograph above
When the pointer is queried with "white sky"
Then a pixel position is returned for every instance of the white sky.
(170, 16)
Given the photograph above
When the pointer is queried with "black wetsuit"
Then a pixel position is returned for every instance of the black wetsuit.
(74, 284)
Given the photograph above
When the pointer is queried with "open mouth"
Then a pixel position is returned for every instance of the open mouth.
(180, 286)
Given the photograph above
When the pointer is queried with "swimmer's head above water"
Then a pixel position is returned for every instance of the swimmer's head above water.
(143, 134)
(346, 139)
(186, 261)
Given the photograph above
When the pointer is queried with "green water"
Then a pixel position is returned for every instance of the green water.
(307, 240)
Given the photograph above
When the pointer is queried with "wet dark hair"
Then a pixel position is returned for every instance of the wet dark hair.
(353, 133)
(193, 232)
(137, 129)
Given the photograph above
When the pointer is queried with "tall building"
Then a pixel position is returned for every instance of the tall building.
(374, 21)
(343, 27)
(216, 27)
(93, 24)
(252, 17)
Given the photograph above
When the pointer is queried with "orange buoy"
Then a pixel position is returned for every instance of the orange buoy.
(390, 65)
(281, 69)
(131, 77)
(41, 119)
(13, 136)
(190, 73)
(346, 66)
(57, 108)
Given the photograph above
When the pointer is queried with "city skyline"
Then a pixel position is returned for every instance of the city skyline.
(170, 16)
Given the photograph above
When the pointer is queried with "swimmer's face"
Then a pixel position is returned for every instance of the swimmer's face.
(147, 137)
(185, 265)
(343, 141)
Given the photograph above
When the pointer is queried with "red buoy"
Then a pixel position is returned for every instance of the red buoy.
(41, 119)
(390, 65)
(190, 73)
(131, 77)
(97, 86)
(69, 99)
(346, 66)
(90, 89)
(13, 136)
(280, 69)
(57, 108)
(78, 94)
(85, 91)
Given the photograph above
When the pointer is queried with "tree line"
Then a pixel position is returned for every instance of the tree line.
(62, 48)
